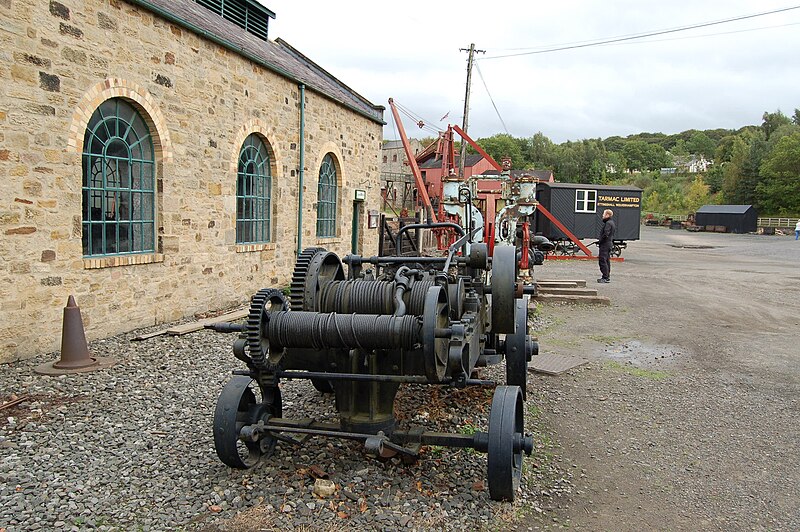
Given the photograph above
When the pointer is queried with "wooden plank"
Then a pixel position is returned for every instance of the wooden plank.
(149, 335)
(553, 364)
(197, 325)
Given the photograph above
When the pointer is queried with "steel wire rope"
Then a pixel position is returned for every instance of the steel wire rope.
(630, 37)
(496, 110)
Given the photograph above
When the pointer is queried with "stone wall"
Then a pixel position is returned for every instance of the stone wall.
(58, 61)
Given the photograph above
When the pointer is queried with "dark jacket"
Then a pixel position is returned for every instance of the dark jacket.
(607, 233)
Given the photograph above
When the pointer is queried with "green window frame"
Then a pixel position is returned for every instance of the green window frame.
(327, 194)
(253, 193)
(119, 175)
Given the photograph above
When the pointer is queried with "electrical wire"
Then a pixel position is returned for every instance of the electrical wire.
(706, 35)
(480, 74)
(630, 37)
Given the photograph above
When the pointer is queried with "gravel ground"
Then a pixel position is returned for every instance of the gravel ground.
(130, 447)
(686, 417)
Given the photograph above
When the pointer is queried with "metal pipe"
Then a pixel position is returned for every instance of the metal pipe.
(301, 174)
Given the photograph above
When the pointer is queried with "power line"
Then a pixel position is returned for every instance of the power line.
(583, 44)
(480, 74)
(707, 34)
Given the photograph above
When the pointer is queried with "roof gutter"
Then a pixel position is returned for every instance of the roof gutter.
(171, 17)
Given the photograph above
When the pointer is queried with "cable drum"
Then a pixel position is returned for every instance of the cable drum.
(361, 297)
(349, 331)
(371, 297)
(416, 302)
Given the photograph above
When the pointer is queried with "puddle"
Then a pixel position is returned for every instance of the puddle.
(692, 246)
(638, 354)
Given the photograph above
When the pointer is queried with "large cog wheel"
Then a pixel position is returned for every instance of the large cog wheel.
(314, 268)
(266, 300)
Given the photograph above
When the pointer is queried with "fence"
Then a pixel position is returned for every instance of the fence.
(778, 222)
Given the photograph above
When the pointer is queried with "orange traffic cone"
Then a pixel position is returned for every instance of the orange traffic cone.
(75, 356)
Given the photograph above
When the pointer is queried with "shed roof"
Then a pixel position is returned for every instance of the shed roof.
(436, 162)
(724, 209)
(278, 55)
(627, 188)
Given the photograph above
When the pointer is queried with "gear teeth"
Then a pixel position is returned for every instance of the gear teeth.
(258, 355)
(297, 289)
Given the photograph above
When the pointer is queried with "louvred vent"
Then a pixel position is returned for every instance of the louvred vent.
(247, 14)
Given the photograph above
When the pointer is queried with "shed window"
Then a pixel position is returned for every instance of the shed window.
(326, 198)
(253, 193)
(118, 182)
(585, 201)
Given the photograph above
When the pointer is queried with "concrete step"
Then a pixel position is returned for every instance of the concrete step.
(556, 283)
(583, 300)
(568, 291)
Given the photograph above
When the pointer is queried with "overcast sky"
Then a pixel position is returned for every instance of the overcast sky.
(669, 83)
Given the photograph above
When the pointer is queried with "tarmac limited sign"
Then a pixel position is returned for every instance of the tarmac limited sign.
(618, 201)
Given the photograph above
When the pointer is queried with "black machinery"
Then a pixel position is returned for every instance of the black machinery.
(361, 333)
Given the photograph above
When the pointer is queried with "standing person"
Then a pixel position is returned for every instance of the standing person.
(605, 243)
(797, 230)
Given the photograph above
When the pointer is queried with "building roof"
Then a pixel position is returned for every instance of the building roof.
(627, 188)
(277, 56)
(436, 162)
(724, 209)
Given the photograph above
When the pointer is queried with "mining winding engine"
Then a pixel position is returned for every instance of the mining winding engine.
(362, 326)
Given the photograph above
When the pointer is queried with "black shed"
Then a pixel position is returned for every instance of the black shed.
(735, 218)
(580, 207)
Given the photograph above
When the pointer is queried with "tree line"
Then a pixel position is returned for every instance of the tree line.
(754, 165)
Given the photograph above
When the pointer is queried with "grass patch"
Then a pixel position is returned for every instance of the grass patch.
(570, 343)
(636, 372)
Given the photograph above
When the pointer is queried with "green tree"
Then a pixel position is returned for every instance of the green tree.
(772, 121)
(679, 148)
(697, 194)
(796, 117)
(779, 192)
(701, 144)
(541, 151)
(504, 145)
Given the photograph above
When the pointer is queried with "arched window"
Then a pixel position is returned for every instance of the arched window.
(118, 182)
(253, 192)
(326, 198)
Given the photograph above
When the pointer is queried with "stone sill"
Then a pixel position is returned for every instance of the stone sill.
(122, 260)
(249, 248)
(329, 240)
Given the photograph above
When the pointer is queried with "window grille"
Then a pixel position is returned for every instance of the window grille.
(253, 193)
(118, 182)
(247, 14)
(585, 201)
(326, 198)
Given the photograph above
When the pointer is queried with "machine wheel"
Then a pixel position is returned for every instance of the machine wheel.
(237, 407)
(517, 349)
(616, 250)
(436, 315)
(504, 278)
(266, 300)
(506, 443)
(566, 248)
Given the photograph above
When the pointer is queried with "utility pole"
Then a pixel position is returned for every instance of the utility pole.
(465, 124)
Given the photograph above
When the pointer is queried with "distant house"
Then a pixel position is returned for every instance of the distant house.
(691, 164)
(393, 157)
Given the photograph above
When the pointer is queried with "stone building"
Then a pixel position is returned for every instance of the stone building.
(161, 158)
